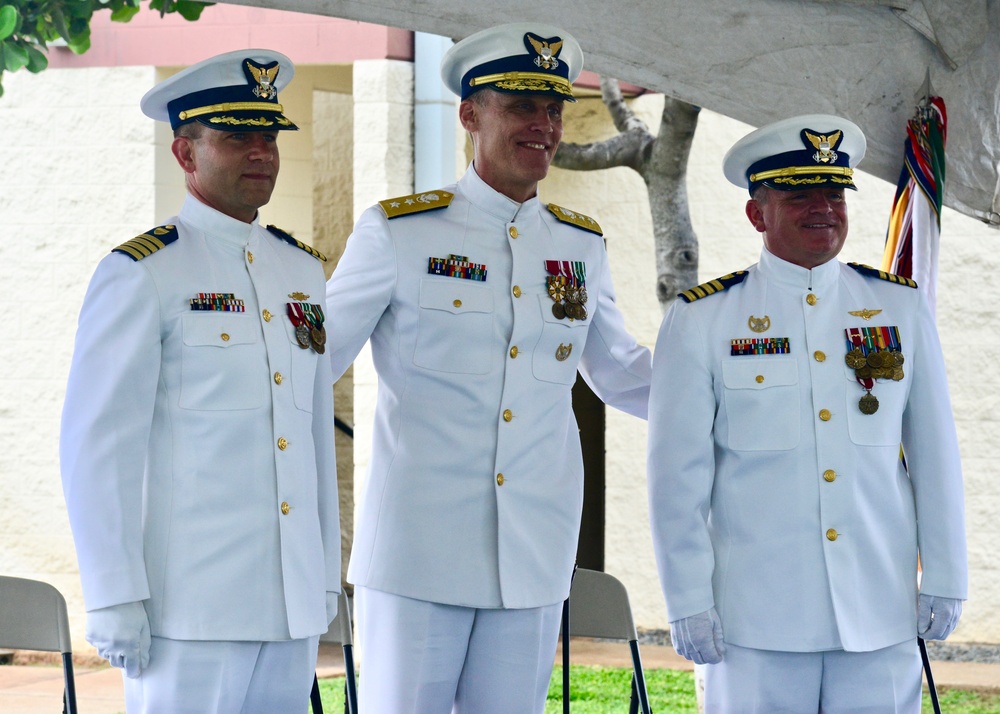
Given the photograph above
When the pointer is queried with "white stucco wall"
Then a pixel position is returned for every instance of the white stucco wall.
(70, 191)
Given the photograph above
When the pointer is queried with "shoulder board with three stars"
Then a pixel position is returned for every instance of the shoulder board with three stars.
(871, 272)
(143, 246)
(415, 203)
(278, 233)
(576, 219)
(713, 286)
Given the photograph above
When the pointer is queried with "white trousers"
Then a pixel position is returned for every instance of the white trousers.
(420, 657)
(833, 682)
(207, 677)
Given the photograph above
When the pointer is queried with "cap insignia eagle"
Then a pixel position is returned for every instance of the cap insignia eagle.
(264, 76)
(824, 145)
(547, 49)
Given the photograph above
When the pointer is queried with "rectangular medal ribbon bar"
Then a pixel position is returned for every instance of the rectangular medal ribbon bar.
(760, 346)
(221, 302)
(457, 266)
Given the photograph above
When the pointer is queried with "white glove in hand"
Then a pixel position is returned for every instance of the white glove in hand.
(121, 635)
(332, 601)
(699, 637)
(937, 616)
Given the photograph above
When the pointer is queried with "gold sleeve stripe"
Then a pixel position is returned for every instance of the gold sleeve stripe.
(713, 286)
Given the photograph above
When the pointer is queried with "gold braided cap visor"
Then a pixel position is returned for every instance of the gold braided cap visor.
(802, 171)
(525, 82)
(230, 107)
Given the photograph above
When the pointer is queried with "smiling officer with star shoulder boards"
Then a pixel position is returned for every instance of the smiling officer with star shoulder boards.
(786, 527)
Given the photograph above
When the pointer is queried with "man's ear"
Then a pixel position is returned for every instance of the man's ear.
(755, 215)
(183, 150)
(467, 115)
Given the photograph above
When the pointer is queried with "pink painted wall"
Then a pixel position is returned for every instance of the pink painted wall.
(149, 39)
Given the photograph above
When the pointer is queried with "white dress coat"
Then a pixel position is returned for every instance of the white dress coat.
(475, 484)
(772, 496)
(188, 434)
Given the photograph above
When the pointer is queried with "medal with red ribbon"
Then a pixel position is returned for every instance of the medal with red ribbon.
(297, 314)
(873, 353)
(567, 286)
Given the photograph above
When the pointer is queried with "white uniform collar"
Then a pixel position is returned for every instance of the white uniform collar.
(493, 202)
(216, 224)
(795, 276)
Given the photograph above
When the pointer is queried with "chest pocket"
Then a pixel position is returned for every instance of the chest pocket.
(885, 426)
(762, 403)
(222, 365)
(560, 345)
(455, 328)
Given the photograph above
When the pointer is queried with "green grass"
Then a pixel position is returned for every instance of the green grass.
(600, 690)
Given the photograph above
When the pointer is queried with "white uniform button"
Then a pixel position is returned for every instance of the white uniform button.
(267, 315)
(830, 475)
(760, 379)
(457, 303)
(508, 415)
(249, 256)
(517, 291)
(499, 479)
(513, 232)
(819, 355)
(811, 299)
(224, 336)
(282, 443)
(285, 508)
(513, 352)
(278, 378)
(824, 414)
(832, 534)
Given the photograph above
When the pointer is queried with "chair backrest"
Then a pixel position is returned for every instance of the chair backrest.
(340, 631)
(33, 616)
(599, 607)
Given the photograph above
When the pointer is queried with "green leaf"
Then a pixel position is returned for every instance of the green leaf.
(124, 14)
(15, 56)
(190, 10)
(8, 21)
(37, 61)
(80, 44)
(59, 22)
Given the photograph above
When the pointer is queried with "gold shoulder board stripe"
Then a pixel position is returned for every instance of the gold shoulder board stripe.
(882, 275)
(278, 233)
(576, 219)
(143, 246)
(713, 286)
(415, 203)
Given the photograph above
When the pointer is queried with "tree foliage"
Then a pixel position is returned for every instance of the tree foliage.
(27, 27)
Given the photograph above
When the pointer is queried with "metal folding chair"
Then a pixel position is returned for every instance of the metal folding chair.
(598, 606)
(342, 633)
(33, 617)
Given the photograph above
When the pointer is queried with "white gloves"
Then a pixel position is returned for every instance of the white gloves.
(331, 606)
(121, 635)
(699, 637)
(937, 616)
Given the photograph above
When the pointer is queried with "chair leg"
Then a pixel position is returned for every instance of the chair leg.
(69, 695)
(638, 678)
(350, 684)
(314, 698)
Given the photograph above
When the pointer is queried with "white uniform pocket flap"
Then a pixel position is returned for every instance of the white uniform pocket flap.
(455, 296)
(759, 373)
(219, 330)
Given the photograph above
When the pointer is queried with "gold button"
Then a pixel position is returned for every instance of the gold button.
(457, 302)
(282, 443)
(267, 315)
(513, 351)
(830, 475)
(811, 299)
(508, 415)
(824, 414)
(285, 508)
(225, 337)
(249, 256)
(831, 534)
(517, 291)
(513, 232)
(760, 379)
(819, 355)
(499, 479)
(278, 378)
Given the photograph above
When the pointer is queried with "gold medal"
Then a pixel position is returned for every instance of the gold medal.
(318, 335)
(855, 359)
(868, 404)
(558, 311)
(302, 336)
(897, 374)
(874, 359)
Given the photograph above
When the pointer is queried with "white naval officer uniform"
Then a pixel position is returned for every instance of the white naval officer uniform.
(197, 445)
(773, 497)
(475, 486)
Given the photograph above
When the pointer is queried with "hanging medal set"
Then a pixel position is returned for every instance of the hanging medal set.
(308, 321)
(873, 353)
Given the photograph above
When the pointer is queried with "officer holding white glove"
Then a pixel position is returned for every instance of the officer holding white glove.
(787, 529)
(197, 436)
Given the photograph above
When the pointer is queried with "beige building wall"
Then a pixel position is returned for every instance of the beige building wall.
(84, 170)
